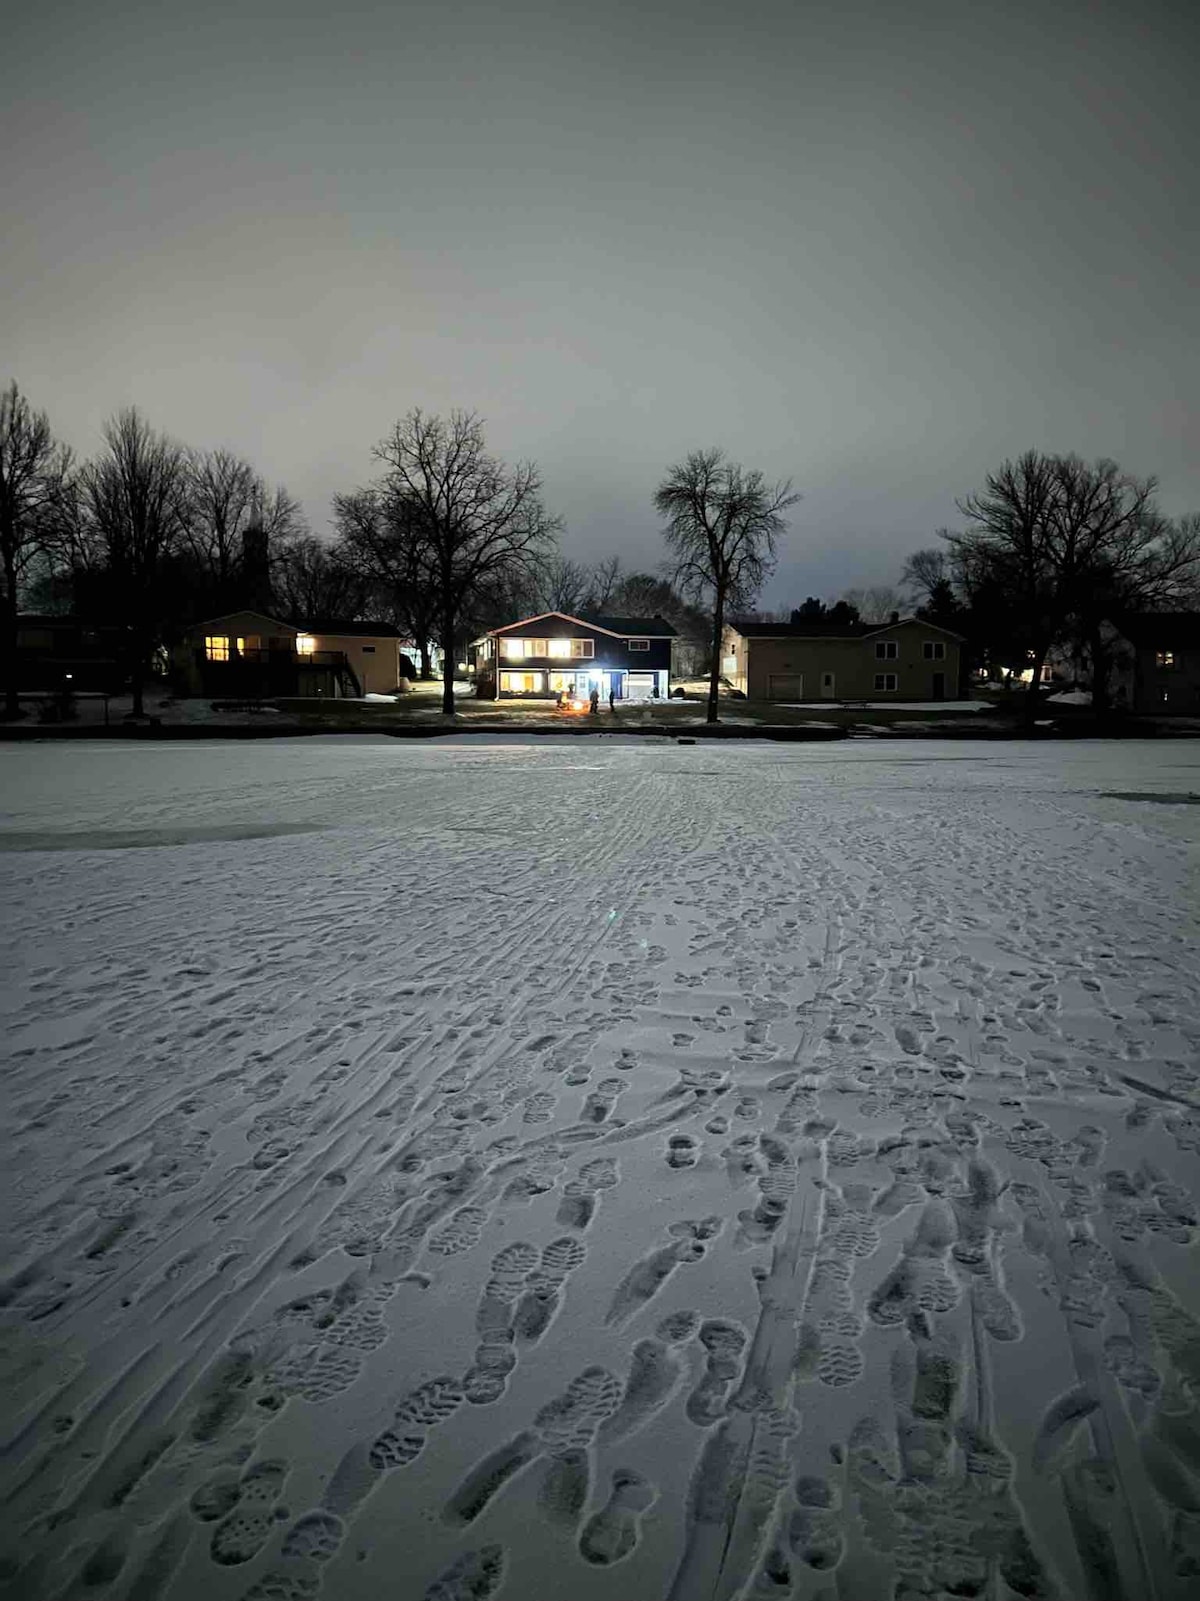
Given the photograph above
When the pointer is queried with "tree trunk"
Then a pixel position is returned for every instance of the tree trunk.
(714, 677)
(448, 666)
(1033, 694)
(426, 660)
(12, 704)
(1101, 702)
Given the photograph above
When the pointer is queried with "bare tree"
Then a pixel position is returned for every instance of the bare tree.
(381, 536)
(722, 523)
(875, 603)
(137, 499)
(563, 585)
(32, 470)
(312, 581)
(605, 580)
(1062, 540)
(925, 570)
(236, 527)
(480, 520)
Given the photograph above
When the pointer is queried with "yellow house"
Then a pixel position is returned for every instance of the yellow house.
(247, 653)
(904, 659)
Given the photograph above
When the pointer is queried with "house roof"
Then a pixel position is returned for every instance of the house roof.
(637, 627)
(1164, 630)
(344, 625)
(321, 625)
(821, 628)
(619, 627)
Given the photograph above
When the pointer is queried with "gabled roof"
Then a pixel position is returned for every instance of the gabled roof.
(1163, 630)
(344, 625)
(618, 627)
(634, 627)
(322, 625)
(821, 628)
(245, 611)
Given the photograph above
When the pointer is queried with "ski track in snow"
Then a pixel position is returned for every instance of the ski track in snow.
(593, 1169)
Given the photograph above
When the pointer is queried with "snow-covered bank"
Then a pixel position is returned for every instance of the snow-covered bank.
(599, 1169)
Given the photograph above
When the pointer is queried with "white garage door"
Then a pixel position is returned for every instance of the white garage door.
(785, 686)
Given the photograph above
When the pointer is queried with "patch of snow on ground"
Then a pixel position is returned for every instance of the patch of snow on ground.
(608, 1170)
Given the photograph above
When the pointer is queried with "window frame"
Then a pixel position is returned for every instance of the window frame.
(884, 688)
(583, 650)
(934, 650)
(887, 650)
(217, 647)
(639, 644)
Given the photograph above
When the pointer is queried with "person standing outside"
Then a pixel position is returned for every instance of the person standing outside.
(594, 697)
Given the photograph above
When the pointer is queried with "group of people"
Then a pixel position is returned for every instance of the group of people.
(565, 696)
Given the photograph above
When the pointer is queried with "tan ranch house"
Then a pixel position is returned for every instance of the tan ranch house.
(247, 653)
(904, 659)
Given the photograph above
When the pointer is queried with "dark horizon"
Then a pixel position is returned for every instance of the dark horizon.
(876, 252)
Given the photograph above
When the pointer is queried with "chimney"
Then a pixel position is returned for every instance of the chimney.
(894, 618)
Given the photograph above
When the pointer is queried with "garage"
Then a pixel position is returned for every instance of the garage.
(785, 686)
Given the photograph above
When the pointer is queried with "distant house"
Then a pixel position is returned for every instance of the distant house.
(54, 652)
(902, 660)
(1159, 663)
(247, 653)
(540, 657)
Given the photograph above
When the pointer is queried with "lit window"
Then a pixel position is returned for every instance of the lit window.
(583, 647)
(639, 644)
(305, 644)
(536, 647)
(521, 683)
(935, 650)
(216, 647)
(560, 648)
(241, 647)
(886, 650)
(885, 681)
(1164, 658)
(513, 650)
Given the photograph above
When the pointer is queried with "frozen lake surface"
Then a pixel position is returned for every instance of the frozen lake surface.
(600, 1169)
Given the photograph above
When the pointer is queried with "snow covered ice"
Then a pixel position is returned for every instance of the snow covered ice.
(600, 1168)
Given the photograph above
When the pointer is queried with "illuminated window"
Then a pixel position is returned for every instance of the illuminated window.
(216, 647)
(560, 648)
(639, 644)
(1164, 658)
(583, 647)
(886, 650)
(241, 647)
(305, 644)
(885, 681)
(536, 647)
(513, 650)
(935, 650)
(522, 683)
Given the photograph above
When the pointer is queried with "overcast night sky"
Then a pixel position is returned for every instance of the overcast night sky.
(872, 246)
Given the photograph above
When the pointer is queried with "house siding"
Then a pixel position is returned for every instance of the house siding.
(751, 663)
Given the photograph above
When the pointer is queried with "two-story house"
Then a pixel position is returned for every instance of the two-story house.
(902, 659)
(552, 654)
(1158, 663)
